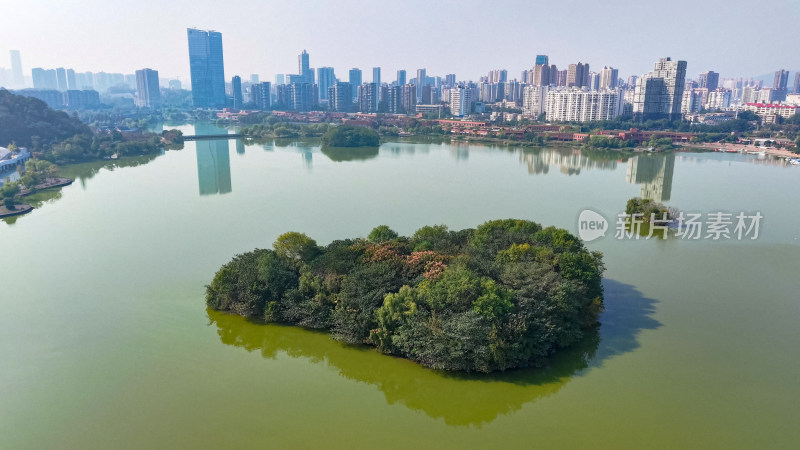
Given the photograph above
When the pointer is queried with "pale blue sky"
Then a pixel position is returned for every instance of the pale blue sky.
(469, 38)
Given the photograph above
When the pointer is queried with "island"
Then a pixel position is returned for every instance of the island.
(504, 295)
(350, 136)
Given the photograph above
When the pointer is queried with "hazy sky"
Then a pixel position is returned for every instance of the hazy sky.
(466, 37)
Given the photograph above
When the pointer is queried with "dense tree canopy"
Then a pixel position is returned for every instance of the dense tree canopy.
(29, 122)
(351, 136)
(504, 295)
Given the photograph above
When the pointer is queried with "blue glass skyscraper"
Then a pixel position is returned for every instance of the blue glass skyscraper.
(207, 68)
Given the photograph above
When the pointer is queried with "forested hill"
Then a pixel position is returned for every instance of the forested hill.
(29, 122)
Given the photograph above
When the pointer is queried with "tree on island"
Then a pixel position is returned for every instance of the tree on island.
(507, 294)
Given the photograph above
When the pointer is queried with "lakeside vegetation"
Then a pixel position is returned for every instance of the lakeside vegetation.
(649, 208)
(504, 295)
(61, 138)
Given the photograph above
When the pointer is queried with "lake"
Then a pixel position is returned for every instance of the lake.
(105, 340)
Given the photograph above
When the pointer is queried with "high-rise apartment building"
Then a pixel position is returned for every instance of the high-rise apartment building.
(533, 100)
(261, 95)
(72, 83)
(340, 97)
(368, 98)
(302, 96)
(578, 75)
(450, 79)
(61, 79)
(394, 100)
(44, 79)
(779, 84)
(659, 94)
(708, 80)
(541, 75)
(207, 68)
(580, 105)
(461, 101)
(401, 78)
(236, 92)
(148, 93)
(796, 89)
(609, 78)
(408, 98)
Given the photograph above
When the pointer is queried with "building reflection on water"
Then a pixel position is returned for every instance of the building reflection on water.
(654, 173)
(569, 162)
(213, 162)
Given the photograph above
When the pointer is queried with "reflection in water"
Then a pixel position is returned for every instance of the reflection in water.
(213, 162)
(240, 146)
(459, 399)
(339, 154)
(654, 172)
(569, 161)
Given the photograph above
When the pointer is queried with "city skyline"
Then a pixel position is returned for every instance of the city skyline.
(38, 24)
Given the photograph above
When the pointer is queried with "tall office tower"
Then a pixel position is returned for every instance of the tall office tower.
(796, 89)
(450, 79)
(325, 79)
(578, 75)
(236, 92)
(394, 100)
(16, 69)
(376, 75)
(280, 79)
(401, 78)
(421, 77)
(428, 95)
(460, 101)
(368, 98)
(303, 68)
(340, 97)
(254, 78)
(355, 80)
(609, 77)
(542, 60)
(541, 75)
(61, 79)
(554, 75)
(408, 98)
(779, 84)
(708, 80)
(207, 68)
(659, 94)
(632, 81)
(148, 94)
(71, 81)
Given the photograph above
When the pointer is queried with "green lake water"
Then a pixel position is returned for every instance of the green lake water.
(105, 341)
